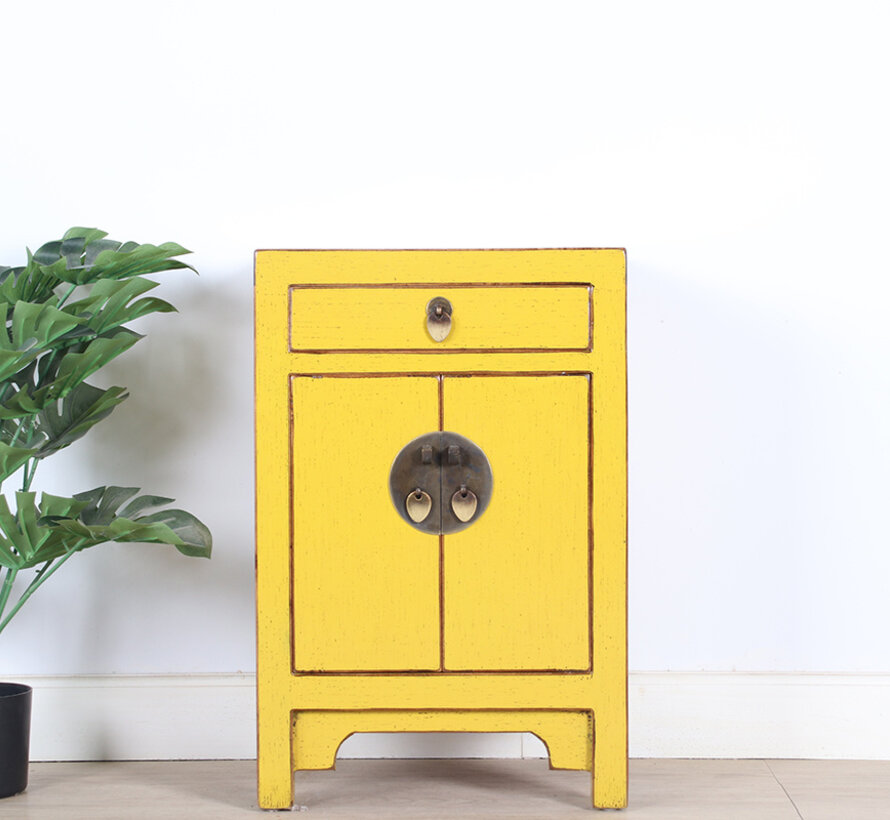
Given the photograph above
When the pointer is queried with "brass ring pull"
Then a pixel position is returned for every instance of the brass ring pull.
(418, 505)
(464, 503)
(438, 318)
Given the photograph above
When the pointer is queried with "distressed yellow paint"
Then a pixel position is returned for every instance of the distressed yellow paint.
(338, 698)
(522, 601)
(365, 585)
(484, 317)
(317, 735)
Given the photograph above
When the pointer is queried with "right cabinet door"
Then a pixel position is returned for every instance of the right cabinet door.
(516, 584)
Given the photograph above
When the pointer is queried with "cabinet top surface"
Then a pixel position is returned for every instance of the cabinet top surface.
(603, 267)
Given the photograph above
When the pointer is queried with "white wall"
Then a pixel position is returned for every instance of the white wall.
(739, 152)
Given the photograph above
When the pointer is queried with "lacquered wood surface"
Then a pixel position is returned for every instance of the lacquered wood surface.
(516, 586)
(343, 634)
(394, 318)
(365, 585)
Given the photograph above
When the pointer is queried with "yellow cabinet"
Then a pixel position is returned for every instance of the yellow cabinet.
(510, 620)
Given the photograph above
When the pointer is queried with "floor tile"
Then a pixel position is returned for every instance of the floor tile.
(145, 790)
(687, 766)
(836, 789)
(706, 790)
(434, 789)
(685, 789)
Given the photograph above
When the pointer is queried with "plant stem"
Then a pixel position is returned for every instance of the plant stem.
(11, 572)
(41, 576)
(65, 297)
(28, 475)
(24, 423)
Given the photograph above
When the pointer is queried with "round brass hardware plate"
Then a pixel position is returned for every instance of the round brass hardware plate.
(451, 472)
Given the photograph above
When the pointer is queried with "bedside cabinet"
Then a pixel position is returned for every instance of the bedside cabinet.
(441, 503)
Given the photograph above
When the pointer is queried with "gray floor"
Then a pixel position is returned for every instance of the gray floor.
(687, 789)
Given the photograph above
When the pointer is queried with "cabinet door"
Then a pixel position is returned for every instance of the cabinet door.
(516, 583)
(365, 585)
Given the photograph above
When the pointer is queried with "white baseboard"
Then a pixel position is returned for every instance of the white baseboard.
(760, 715)
(143, 717)
(672, 714)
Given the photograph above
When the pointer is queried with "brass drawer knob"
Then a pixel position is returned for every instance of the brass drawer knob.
(438, 318)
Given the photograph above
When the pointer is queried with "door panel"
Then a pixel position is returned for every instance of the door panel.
(365, 584)
(516, 583)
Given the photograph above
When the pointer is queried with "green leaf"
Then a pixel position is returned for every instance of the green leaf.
(48, 253)
(8, 559)
(90, 498)
(27, 515)
(10, 285)
(65, 421)
(39, 540)
(61, 373)
(15, 394)
(144, 502)
(74, 367)
(56, 506)
(93, 249)
(110, 304)
(84, 255)
(38, 325)
(7, 519)
(35, 535)
(35, 328)
(88, 235)
(9, 555)
(120, 262)
(194, 537)
(12, 458)
(78, 248)
(12, 361)
(72, 251)
(25, 434)
(103, 503)
(29, 283)
(23, 404)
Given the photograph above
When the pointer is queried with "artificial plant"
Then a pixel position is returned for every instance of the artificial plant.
(65, 317)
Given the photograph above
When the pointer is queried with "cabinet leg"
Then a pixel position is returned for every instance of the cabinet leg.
(609, 774)
(275, 777)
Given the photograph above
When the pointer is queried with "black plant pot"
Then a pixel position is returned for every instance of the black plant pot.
(15, 734)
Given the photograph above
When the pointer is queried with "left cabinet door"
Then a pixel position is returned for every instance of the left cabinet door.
(365, 585)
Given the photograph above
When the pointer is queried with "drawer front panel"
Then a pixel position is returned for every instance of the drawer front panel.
(505, 318)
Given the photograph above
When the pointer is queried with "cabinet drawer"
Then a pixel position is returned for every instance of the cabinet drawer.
(511, 318)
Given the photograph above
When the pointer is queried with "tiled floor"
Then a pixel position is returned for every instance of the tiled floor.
(421, 789)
